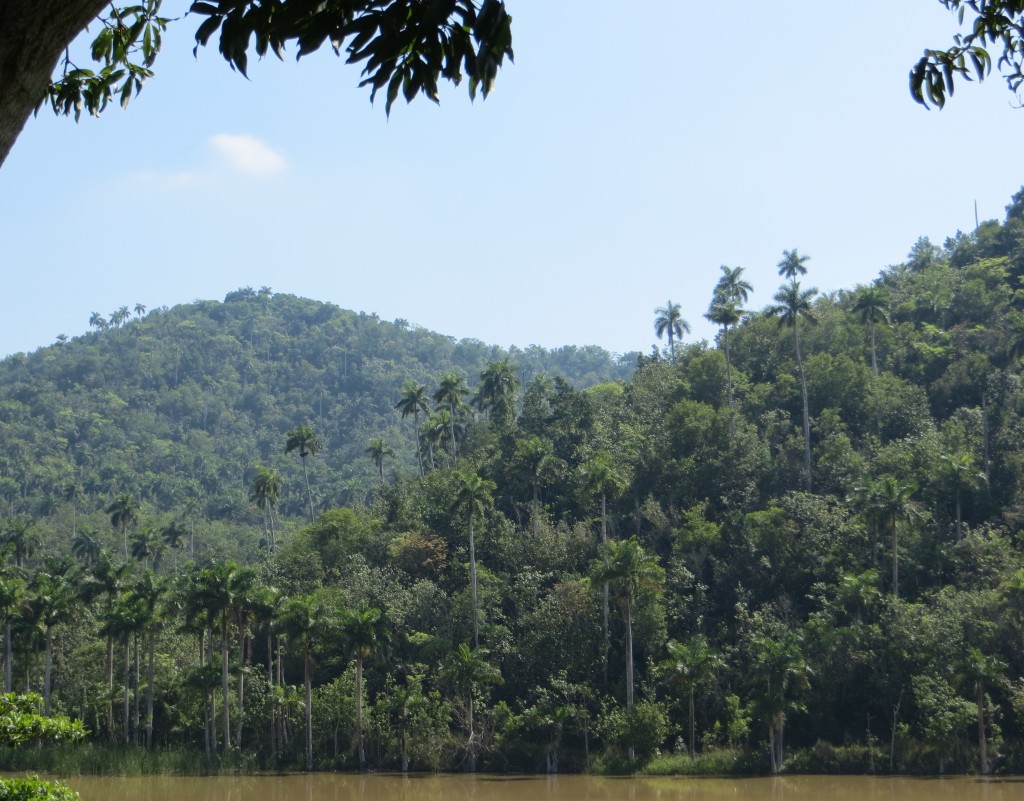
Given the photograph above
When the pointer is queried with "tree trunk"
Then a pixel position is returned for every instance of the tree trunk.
(309, 494)
(150, 673)
(359, 713)
(224, 684)
(605, 629)
(874, 358)
(984, 765)
(35, 33)
(309, 710)
(8, 658)
(629, 666)
(241, 690)
(472, 582)
(807, 413)
(48, 671)
(895, 562)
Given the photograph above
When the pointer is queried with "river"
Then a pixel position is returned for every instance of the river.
(482, 787)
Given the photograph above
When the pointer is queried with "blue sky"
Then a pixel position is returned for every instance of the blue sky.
(619, 162)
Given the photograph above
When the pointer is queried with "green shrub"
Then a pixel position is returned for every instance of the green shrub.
(32, 788)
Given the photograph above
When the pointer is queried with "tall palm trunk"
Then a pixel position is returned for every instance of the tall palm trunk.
(241, 689)
(8, 658)
(984, 766)
(895, 561)
(308, 681)
(605, 629)
(224, 683)
(359, 712)
(309, 494)
(807, 413)
(874, 356)
(472, 583)
(629, 666)
(150, 673)
(48, 670)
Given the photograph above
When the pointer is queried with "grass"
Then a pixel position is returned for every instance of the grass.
(96, 759)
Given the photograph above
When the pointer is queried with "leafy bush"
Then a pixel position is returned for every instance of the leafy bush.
(32, 788)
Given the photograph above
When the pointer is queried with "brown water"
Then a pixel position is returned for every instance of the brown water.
(342, 787)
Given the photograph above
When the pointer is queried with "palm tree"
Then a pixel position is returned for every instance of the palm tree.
(535, 460)
(18, 532)
(793, 264)
(73, 494)
(107, 580)
(413, 401)
(307, 622)
(473, 497)
(468, 669)
(779, 663)
(733, 286)
(632, 574)
(146, 545)
(124, 515)
(890, 501)
(173, 535)
(53, 602)
(670, 320)
(98, 321)
(963, 474)
(872, 307)
(451, 392)
(363, 631)
(725, 312)
(978, 671)
(12, 594)
(602, 478)
(690, 664)
(220, 591)
(265, 493)
(139, 309)
(496, 392)
(378, 450)
(85, 547)
(304, 440)
(149, 591)
(791, 305)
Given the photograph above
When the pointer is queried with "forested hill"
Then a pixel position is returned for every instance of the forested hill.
(178, 406)
(796, 547)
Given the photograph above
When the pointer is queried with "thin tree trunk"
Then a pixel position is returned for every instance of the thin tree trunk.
(807, 413)
(359, 713)
(309, 494)
(126, 704)
(472, 581)
(985, 768)
(629, 666)
(150, 673)
(48, 671)
(895, 562)
(309, 710)
(226, 712)
(605, 629)
(241, 690)
(8, 658)
(874, 358)
(136, 700)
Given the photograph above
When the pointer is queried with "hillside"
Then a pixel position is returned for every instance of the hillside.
(796, 548)
(179, 406)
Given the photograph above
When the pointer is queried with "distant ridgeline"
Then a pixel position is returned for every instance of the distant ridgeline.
(177, 407)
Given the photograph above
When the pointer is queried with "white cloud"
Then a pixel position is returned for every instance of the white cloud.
(248, 154)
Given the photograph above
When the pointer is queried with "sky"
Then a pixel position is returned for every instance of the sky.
(629, 151)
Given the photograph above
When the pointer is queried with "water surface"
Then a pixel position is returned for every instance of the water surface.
(482, 787)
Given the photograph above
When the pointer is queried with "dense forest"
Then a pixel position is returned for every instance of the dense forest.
(282, 532)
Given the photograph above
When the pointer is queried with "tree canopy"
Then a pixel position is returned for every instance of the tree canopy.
(404, 47)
